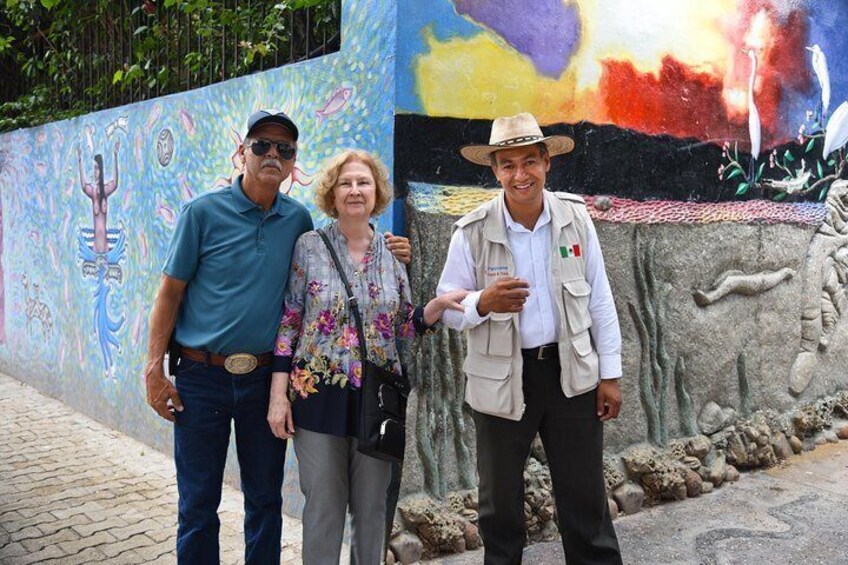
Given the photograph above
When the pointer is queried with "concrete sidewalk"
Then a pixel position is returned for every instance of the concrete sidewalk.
(794, 514)
(74, 491)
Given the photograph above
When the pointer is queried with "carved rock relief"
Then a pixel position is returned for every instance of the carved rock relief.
(737, 282)
(826, 276)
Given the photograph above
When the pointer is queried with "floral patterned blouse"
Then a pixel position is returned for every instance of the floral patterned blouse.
(317, 342)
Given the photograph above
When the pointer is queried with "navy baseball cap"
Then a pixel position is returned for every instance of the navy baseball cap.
(263, 117)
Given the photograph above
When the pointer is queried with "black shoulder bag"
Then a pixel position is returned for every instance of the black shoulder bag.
(381, 431)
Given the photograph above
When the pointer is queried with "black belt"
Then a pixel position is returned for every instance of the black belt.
(543, 352)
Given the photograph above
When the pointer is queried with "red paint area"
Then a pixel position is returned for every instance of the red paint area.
(677, 101)
(685, 102)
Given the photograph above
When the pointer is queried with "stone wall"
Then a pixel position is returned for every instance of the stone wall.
(720, 302)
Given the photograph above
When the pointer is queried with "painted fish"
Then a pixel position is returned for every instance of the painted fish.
(40, 137)
(188, 121)
(142, 237)
(41, 168)
(80, 356)
(88, 132)
(67, 293)
(58, 137)
(54, 256)
(120, 124)
(336, 102)
(153, 116)
(137, 149)
(167, 214)
(65, 220)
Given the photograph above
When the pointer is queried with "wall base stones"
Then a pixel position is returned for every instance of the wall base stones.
(641, 475)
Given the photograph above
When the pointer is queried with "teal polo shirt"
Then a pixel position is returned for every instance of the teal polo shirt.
(235, 259)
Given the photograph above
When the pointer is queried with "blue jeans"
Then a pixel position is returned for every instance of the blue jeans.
(212, 399)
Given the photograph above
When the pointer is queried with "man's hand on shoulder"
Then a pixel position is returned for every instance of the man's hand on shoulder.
(505, 295)
(161, 394)
(609, 399)
(400, 247)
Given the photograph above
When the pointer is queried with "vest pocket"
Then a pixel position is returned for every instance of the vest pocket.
(583, 364)
(487, 388)
(575, 298)
(500, 335)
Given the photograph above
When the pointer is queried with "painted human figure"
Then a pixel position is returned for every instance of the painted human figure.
(99, 191)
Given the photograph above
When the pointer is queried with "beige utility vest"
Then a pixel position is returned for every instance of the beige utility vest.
(493, 364)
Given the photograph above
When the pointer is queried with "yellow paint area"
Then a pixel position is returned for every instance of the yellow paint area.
(484, 77)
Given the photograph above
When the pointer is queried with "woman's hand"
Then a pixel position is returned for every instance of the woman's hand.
(453, 300)
(279, 408)
(448, 301)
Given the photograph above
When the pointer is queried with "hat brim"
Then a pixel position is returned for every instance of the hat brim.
(482, 154)
(275, 119)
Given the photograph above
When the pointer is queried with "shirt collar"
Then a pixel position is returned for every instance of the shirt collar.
(244, 204)
(511, 224)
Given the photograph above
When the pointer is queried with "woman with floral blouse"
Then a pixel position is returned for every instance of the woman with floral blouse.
(317, 358)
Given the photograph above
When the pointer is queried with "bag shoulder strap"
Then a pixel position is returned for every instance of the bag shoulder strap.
(351, 299)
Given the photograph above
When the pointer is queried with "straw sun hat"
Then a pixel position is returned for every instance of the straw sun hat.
(515, 131)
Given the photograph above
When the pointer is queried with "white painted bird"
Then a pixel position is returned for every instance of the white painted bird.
(820, 68)
(753, 115)
(836, 135)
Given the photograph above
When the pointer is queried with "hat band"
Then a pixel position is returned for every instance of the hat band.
(515, 140)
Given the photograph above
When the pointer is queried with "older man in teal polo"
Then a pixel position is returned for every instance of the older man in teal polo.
(221, 297)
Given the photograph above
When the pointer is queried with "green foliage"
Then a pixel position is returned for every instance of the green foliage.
(78, 56)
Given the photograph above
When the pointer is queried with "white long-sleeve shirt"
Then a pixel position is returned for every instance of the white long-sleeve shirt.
(539, 320)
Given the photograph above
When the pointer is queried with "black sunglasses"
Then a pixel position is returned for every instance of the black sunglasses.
(262, 146)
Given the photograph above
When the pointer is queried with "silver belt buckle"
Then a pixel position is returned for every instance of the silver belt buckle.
(240, 363)
(542, 348)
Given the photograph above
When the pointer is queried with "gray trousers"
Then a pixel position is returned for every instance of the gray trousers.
(335, 477)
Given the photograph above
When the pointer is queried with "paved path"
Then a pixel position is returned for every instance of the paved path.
(74, 491)
(792, 514)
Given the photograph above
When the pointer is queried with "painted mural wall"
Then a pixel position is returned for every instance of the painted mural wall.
(731, 98)
(710, 144)
(89, 205)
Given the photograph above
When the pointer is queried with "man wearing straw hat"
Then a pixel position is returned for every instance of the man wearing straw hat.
(544, 345)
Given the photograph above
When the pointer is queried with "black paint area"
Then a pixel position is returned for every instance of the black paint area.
(606, 160)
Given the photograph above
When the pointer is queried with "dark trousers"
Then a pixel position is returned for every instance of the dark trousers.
(213, 399)
(572, 436)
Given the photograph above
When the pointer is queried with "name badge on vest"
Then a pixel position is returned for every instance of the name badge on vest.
(572, 250)
(495, 272)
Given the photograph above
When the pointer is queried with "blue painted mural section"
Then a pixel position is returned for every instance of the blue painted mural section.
(88, 207)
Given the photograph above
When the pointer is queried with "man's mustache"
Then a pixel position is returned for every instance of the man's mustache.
(271, 163)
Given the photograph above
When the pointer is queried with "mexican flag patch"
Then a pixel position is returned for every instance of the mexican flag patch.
(570, 251)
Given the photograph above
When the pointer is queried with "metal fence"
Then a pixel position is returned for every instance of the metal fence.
(181, 57)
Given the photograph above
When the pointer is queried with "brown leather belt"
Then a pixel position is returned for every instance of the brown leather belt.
(237, 363)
